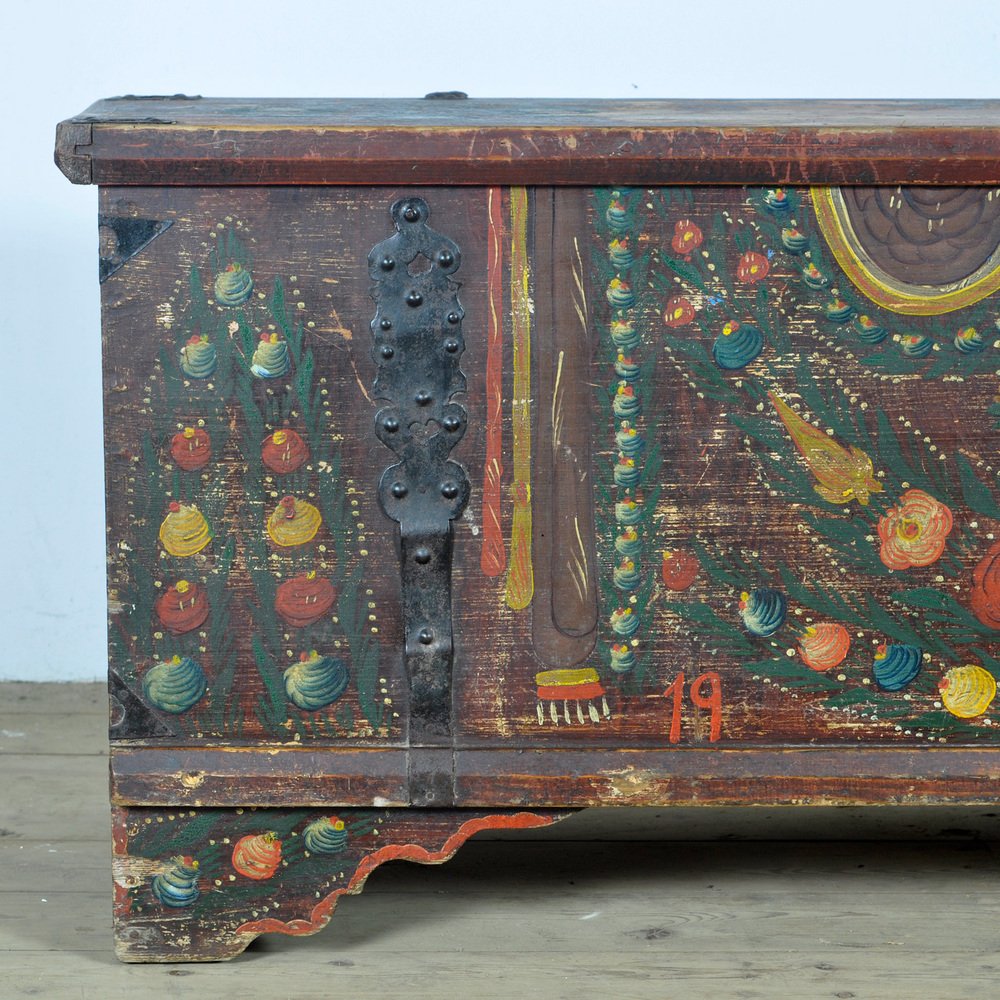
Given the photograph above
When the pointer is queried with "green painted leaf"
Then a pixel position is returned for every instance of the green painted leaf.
(977, 495)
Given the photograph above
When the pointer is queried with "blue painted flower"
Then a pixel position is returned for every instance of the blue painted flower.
(628, 543)
(794, 241)
(969, 340)
(869, 332)
(628, 511)
(839, 311)
(763, 610)
(622, 658)
(620, 253)
(916, 345)
(814, 277)
(616, 214)
(630, 442)
(175, 685)
(625, 404)
(777, 201)
(737, 345)
(178, 885)
(624, 335)
(620, 294)
(624, 622)
(896, 666)
(626, 368)
(626, 576)
(626, 474)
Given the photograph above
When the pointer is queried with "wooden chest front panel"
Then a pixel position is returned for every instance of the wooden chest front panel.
(733, 455)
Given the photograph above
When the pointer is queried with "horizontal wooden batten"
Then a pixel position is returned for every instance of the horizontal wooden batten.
(293, 776)
(193, 141)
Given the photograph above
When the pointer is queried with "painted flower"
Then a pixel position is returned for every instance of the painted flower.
(896, 665)
(678, 312)
(680, 569)
(967, 691)
(752, 267)
(985, 597)
(969, 340)
(620, 294)
(914, 532)
(763, 611)
(257, 855)
(687, 238)
(824, 646)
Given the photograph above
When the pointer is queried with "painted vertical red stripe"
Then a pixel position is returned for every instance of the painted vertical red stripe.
(494, 555)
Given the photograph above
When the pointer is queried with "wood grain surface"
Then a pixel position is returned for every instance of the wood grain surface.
(195, 141)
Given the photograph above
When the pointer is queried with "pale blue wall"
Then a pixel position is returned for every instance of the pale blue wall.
(56, 58)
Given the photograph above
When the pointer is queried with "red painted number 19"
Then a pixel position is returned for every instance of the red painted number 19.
(711, 701)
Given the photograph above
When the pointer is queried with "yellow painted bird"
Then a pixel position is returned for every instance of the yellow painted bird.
(842, 474)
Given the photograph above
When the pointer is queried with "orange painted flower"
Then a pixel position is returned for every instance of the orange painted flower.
(257, 856)
(824, 646)
(914, 532)
(687, 237)
(678, 312)
(752, 267)
(985, 597)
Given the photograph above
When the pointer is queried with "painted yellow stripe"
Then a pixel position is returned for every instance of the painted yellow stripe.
(520, 577)
(835, 230)
(566, 678)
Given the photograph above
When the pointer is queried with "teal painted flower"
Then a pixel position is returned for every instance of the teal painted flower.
(620, 253)
(624, 622)
(175, 685)
(198, 358)
(839, 311)
(777, 201)
(630, 442)
(620, 294)
(869, 332)
(326, 835)
(233, 286)
(916, 345)
(794, 241)
(969, 340)
(315, 681)
(737, 345)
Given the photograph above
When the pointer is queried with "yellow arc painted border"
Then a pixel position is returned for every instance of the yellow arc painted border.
(881, 293)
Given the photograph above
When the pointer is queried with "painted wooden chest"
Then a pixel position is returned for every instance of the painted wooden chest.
(470, 462)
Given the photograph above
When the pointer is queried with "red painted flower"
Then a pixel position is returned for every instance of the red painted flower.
(914, 532)
(985, 597)
(687, 238)
(752, 267)
(824, 646)
(680, 569)
(191, 448)
(678, 312)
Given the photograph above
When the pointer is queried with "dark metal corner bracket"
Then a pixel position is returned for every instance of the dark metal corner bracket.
(418, 342)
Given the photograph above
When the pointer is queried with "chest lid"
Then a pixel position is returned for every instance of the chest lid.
(448, 139)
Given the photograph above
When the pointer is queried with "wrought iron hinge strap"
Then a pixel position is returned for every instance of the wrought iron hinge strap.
(418, 342)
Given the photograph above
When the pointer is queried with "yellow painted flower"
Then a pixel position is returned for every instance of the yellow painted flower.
(967, 691)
